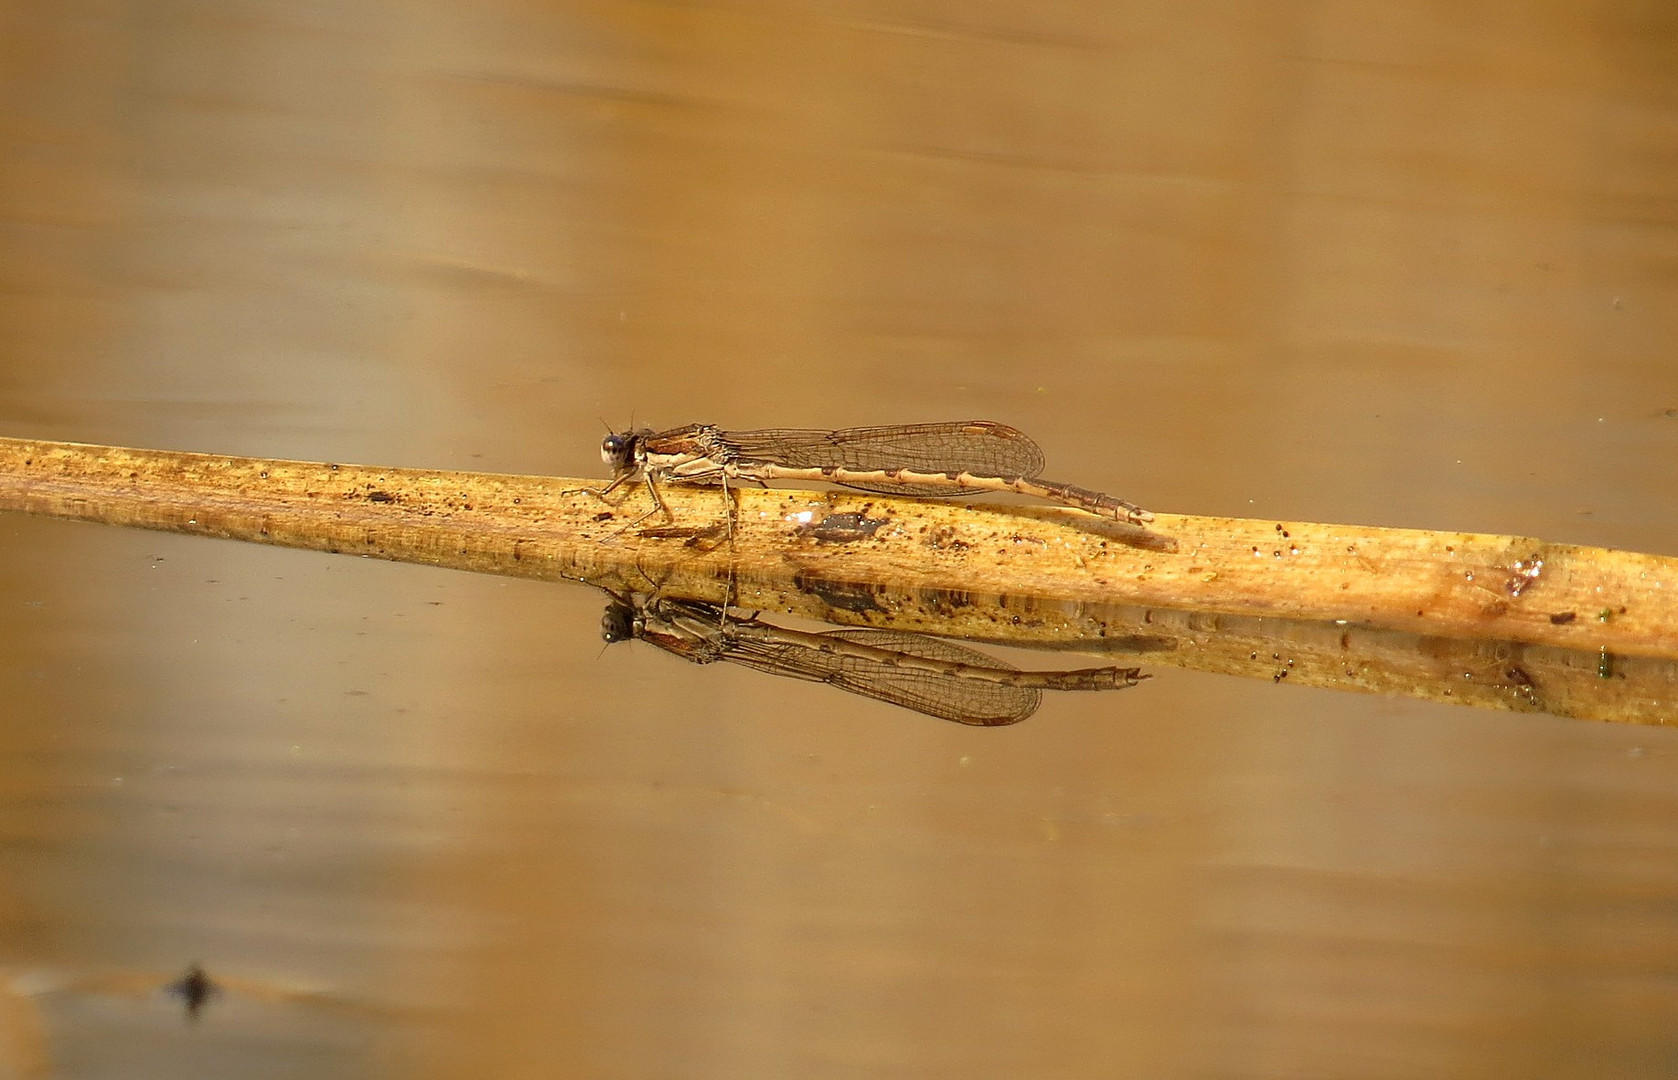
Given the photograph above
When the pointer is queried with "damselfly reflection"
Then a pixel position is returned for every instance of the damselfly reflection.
(917, 460)
(927, 674)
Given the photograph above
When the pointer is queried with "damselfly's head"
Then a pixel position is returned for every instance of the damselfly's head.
(622, 451)
(617, 622)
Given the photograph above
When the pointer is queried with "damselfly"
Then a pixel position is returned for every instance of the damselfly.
(927, 674)
(918, 460)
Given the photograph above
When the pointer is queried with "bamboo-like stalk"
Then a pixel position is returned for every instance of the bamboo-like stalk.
(834, 555)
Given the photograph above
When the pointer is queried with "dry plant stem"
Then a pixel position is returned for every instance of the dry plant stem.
(1457, 585)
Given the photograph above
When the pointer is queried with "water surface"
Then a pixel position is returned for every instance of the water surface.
(1399, 264)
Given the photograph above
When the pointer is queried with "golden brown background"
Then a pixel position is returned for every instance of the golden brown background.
(1411, 264)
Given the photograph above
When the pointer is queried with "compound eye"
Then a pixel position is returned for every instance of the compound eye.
(614, 448)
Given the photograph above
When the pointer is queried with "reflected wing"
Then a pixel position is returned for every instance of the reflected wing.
(945, 696)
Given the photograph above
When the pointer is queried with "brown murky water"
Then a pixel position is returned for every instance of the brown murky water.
(1408, 264)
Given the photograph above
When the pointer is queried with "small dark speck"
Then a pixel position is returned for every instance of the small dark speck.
(843, 528)
(1562, 618)
(194, 989)
(380, 497)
